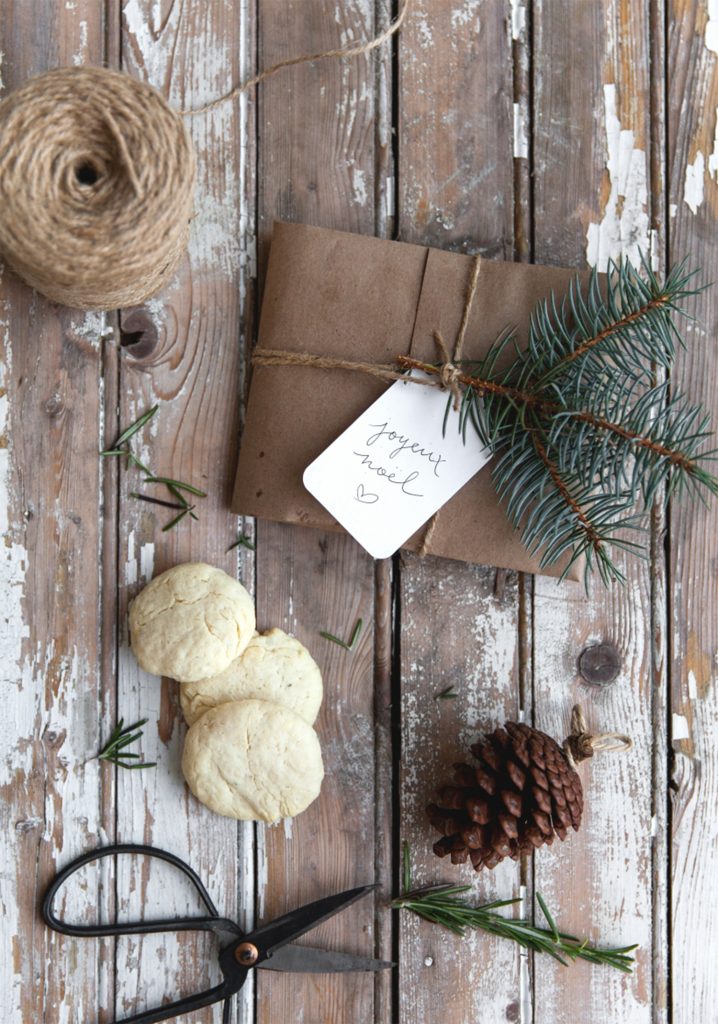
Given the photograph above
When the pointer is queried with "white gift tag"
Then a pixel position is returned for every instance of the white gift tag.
(393, 468)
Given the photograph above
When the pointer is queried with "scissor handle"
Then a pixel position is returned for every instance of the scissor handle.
(212, 923)
(187, 1005)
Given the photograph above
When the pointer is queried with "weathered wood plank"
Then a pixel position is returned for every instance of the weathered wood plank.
(187, 358)
(693, 198)
(591, 164)
(317, 154)
(456, 185)
(384, 682)
(50, 586)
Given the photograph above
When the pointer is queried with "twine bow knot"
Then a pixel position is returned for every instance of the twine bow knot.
(581, 744)
(450, 373)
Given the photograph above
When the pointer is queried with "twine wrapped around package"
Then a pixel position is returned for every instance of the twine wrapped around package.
(97, 178)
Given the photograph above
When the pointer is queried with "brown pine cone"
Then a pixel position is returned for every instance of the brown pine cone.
(523, 792)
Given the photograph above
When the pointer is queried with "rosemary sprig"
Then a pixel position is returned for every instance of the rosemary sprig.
(348, 646)
(114, 750)
(242, 540)
(448, 694)
(444, 905)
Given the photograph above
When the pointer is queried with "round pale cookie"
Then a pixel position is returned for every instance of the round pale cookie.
(251, 759)
(190, 622)
(274, 666)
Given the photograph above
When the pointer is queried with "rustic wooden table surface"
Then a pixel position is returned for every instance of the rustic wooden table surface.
(550, 130)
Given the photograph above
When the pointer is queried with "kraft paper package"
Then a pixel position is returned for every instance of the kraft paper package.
(353, 297)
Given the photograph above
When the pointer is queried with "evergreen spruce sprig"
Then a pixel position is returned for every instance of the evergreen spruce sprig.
(583, 437)
(114, 750)
(445, 905)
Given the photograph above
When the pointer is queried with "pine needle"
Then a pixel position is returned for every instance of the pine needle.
(444, 905)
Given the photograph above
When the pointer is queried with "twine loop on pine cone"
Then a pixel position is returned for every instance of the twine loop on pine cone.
(581, 744)
(97, 180)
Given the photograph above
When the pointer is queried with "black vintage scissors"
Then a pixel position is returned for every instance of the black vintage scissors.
(268, 947)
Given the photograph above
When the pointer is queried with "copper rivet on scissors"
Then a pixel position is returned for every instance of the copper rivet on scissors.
(246, 954)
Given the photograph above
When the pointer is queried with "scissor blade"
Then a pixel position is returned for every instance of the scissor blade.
(306, 959)
(290, 926)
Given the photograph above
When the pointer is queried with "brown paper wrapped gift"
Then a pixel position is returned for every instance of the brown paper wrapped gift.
(357, 298)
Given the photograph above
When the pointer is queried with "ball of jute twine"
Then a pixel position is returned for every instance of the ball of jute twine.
(97, 178)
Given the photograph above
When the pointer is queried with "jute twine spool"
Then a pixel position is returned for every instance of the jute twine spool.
(97, 178)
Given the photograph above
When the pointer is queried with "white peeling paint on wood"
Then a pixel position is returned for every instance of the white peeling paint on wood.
(13, 555)
(624, 228)
(467, 13)
(49, 812)
(711, 35)
(713, 156)
(693, 184)
(521, 140)
(679, 730)
(17, 705)
(80, 56)
(518, 18)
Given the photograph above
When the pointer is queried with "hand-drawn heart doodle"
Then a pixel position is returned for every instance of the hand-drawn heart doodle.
(365, 497)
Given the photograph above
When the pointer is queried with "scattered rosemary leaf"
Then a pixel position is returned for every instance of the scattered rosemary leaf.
(114, 750)
(183, 503)
(156, 501)
(121, 446)
(245, 542)
(448, 694)
(178, 484)
(134, 461)
(177, 519)
(136, 426)
(343, 643)
(175, 492)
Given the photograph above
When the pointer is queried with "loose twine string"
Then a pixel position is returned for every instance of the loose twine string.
(97, 176)
(581, 744)
(448, 378)
(357, 50)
